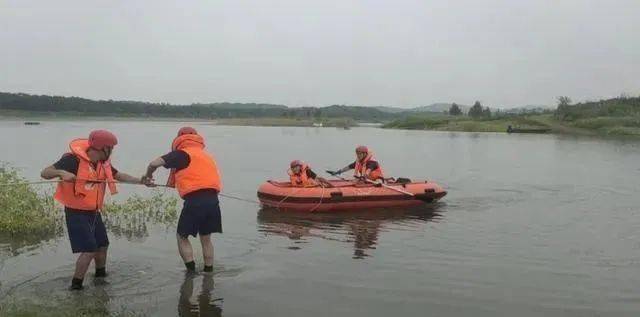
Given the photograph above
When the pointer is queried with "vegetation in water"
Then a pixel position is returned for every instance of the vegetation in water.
(28, 217)
(129, 218)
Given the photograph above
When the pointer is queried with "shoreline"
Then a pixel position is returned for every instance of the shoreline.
(436, 123)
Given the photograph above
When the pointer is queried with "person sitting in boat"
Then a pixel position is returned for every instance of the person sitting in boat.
(301, 175)
(366, 166)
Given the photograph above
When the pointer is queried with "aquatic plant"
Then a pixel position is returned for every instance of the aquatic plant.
(25, 214)
(29, 217)
(129, 218)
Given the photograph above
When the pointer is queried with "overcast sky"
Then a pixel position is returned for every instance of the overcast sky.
(317, 53)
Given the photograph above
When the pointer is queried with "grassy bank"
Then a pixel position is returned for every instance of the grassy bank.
(627, 126)
(466, 124)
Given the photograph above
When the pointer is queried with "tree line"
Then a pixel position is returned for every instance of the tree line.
(88, 107)
(476, 111)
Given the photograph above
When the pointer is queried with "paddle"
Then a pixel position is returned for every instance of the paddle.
(332, 173)
(335, 174)
(390, 187)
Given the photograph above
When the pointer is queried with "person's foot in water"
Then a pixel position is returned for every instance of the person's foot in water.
(76, 284)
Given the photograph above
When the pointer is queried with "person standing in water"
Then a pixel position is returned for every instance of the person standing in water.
(85, 173)
(194, 173)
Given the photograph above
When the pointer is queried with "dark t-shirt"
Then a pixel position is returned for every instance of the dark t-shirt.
(371, 165)
(177, 159)
(70, 163)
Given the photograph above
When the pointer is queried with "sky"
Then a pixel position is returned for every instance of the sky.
(399, 53)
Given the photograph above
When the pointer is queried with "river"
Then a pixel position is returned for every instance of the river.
(533, 225)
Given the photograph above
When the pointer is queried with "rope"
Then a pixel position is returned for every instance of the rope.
(320, 202)
(239, 198)
(104, 181)
(30, 183)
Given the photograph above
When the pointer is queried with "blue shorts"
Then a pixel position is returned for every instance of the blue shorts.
(200, 214)
(86, 230)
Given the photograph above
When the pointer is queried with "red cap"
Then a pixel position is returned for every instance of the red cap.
(362, 149)
(99, 139)
(187, 130)
(295, 163)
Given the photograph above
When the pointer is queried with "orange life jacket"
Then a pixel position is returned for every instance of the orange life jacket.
(361, 168)
(301, 180)
(87, 192)
(202, 172)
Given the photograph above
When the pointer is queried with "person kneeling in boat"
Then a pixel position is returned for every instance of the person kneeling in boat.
(366, 167)
(86, 173)
(194, 173)
(301, 175)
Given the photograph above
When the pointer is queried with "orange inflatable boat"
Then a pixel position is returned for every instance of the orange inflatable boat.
(347, 195)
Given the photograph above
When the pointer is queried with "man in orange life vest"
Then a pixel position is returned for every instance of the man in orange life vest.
(86, 172)
(194, 173)
(301, 175)
(366, 166)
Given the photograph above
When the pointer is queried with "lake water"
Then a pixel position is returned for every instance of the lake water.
(533, 225)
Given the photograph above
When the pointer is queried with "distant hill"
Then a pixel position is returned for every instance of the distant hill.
(229, 105)
(390, 109)
(438, 107)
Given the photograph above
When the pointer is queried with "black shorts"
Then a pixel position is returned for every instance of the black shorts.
(200, 214)
(86, 230)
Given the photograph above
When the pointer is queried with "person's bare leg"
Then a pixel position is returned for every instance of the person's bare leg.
(101, 262)
(101, 258)
(82, 264)
(186, 252)
(207, 250)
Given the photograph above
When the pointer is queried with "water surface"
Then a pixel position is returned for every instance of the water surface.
(533, 225)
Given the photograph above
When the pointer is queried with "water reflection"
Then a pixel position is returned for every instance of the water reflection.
(203, 304)
(361, 229)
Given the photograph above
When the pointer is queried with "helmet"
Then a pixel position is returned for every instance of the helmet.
(99, 139)
(187, 130)
(295, 163)
(362, 149)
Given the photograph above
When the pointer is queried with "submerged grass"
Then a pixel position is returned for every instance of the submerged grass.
(26, 216)
(29, 217)
(129, 219)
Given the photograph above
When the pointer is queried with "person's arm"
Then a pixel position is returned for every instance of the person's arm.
(51, 172)
(311, 174)
(65, 169)
(126, 178)
(346, 168)
(153, 166)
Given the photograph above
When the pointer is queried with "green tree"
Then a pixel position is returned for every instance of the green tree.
(486, 112)
(455, 110)
(476, 110)
(563, 107)
(563, 101)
